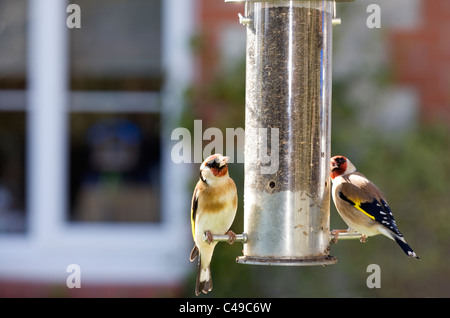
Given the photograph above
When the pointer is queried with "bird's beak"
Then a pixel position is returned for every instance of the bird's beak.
(224, 161)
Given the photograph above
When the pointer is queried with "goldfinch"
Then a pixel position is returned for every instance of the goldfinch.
(213, 209)
(362, 205)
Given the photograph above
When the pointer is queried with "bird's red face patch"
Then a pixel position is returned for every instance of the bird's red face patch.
(219, 172)
(338, 165)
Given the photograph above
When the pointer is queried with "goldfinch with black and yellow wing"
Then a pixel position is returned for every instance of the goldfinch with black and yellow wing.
(362, 205)
(213, 209)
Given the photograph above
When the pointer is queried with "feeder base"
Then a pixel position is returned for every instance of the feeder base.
(287, 261)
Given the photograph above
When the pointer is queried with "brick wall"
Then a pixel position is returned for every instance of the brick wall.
(421, 58)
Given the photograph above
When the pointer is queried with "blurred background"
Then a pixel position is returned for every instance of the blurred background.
(86, 175)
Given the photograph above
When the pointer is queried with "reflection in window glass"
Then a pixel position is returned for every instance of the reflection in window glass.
(115, 165)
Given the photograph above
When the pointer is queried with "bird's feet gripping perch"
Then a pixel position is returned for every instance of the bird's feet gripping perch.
(351, 234)
(335, 234)
(231, 237)
(209, 237)
(363, 239)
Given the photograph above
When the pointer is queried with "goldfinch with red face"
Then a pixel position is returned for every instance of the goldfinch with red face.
(362, 205)
(213, 209)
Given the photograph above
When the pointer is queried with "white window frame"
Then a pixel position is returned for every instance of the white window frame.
(129, 253)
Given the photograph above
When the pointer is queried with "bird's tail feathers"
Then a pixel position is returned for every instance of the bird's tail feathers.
(204, 281)
(400, 241)
(405, 247)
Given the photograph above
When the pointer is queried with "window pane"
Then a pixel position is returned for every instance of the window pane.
(114, 167)
(12, 171)
(13, 44)
(118, 46)
(12, 115)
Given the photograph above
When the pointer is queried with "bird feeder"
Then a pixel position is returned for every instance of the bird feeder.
(287, 132)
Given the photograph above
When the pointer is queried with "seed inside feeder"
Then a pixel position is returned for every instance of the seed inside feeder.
(285, 93)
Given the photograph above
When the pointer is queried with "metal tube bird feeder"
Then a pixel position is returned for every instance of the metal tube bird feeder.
(287, 132)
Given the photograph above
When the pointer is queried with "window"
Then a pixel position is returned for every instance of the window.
(85, 122)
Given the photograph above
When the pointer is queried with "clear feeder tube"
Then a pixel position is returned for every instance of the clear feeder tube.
(287, 133)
